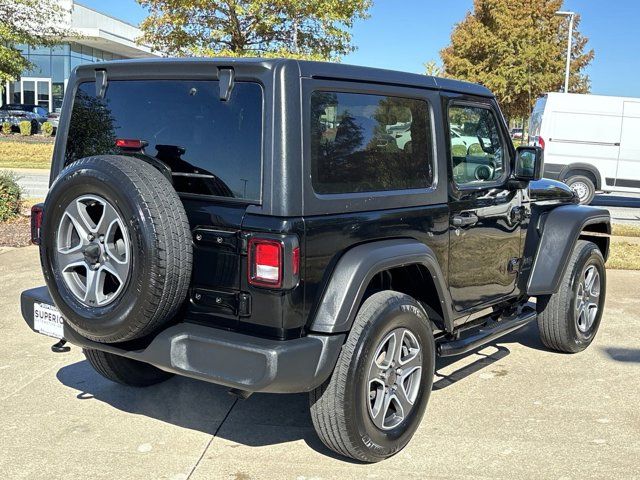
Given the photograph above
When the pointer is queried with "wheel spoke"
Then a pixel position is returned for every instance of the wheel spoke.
(117, 250)
(386, 351)
(118, 270)
(411, 361)
(589, 278)
(403, 401)
(410, 382)
(70, 258)
(395, 348)
(92, 291)
(380, 407)
(108, 219)
(77, 212)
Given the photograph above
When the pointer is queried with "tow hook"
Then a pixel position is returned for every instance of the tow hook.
(60, 347)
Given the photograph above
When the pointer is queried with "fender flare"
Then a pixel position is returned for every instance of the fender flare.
(343, 294)
(560, 232)
(564, 173)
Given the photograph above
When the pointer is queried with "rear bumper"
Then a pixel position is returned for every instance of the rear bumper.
(227, 358)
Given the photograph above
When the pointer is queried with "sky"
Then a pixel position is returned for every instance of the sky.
(404, 34)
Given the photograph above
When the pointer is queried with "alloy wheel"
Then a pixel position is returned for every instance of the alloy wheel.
(587, 298)
(394, 378)
(93, 251)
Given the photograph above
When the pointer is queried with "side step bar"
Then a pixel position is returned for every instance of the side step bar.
(487, 333)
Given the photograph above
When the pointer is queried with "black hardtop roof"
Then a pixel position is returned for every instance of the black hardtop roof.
(312, 69)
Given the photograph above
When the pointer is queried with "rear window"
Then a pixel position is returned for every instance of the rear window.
(212, 147)
(369, 143)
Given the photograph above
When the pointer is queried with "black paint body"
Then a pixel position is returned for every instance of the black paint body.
(474, 260)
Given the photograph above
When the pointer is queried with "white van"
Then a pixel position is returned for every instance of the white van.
(591, 142)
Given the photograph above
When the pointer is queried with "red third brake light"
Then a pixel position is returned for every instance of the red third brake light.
(265, 263)
(130, 144)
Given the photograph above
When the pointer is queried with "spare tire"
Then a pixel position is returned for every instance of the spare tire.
(116, 248)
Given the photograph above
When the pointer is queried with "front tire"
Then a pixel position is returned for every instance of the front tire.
(374, 401)
(569, 319)
(124, 370)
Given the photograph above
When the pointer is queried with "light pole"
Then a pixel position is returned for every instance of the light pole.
(566, 73)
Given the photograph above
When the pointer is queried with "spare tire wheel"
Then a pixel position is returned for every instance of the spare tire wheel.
(116, 248)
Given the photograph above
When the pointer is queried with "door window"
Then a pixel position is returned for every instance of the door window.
(478, 153)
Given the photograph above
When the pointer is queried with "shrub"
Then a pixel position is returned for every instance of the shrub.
(25, 128)
(10, 196)
(47, 129)
(6, 128)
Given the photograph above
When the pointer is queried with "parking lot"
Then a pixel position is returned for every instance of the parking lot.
(511, 410)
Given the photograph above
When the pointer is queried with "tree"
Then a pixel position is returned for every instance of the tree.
(432, 69)
(316, 29)
(518, 50)
(28, 22)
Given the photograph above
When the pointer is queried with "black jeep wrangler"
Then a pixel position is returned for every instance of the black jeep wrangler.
(287, 226)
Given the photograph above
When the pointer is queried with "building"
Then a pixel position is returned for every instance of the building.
(101, 37)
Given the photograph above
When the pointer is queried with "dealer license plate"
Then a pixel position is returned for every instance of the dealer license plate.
(48, 320)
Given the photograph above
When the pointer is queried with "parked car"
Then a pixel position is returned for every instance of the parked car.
(591, 142)
(14, 113)
(53, 118)
(238, 221)
(517, 133)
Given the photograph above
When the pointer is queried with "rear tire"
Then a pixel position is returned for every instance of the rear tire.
(583, 187)
(370, 378)
(565, 326)
(124, 370)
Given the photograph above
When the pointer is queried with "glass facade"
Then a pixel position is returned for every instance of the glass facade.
(46, 81)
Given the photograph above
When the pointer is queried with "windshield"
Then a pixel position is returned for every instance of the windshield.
(212, 147)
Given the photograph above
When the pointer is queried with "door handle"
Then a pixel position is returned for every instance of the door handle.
(465, 220)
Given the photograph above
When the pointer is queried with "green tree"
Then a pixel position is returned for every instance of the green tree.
(518, 50)
(28, 22)
(315, 29)
(432, 69)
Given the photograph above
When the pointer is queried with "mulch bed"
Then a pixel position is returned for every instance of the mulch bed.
(16, 232)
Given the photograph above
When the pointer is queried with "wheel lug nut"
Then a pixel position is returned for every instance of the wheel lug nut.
(101, 238)
(90, 237)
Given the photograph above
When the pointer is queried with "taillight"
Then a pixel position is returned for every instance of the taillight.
(36, 223)
(541, 142)
(265, 262)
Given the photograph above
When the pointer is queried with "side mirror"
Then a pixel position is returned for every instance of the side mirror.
(529, 164)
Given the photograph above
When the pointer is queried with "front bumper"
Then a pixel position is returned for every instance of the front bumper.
(223, 357)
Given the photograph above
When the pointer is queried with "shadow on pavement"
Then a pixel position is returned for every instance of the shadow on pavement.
(627, 355)
(263, 419)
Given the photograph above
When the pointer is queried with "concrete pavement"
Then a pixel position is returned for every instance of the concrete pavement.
(34, 181)
(512, 410)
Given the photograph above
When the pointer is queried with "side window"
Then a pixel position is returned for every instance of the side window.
(369, 143)
(478, 153)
